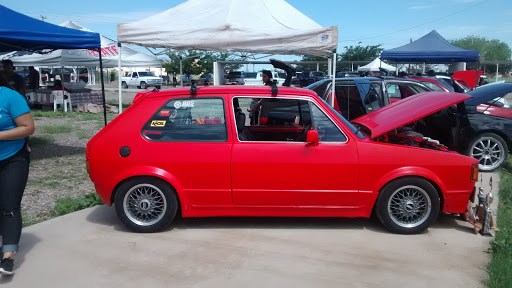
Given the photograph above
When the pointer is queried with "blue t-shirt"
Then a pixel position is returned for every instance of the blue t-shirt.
(12, 105)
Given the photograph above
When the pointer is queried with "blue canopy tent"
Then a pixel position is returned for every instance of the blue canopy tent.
(21, 32)
(431, 48)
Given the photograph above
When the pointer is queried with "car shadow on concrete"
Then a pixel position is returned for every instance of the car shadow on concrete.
(27, 242)
(105, 215)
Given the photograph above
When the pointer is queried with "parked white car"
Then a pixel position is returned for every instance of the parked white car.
(142, 80)
(256, 78)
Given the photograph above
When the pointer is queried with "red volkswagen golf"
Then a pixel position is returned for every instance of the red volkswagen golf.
(205, 154)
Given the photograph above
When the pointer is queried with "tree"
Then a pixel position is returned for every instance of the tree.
(359, 53)
(489, 50)
(312, 67)
(195, 62)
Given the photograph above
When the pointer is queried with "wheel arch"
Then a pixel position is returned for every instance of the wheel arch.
(417, 172)
(157, 174)
(500, 133)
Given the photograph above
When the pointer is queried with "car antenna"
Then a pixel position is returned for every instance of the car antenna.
(274, 88)
(193, 88)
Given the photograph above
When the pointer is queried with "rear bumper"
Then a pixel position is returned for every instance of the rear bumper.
(457, 201)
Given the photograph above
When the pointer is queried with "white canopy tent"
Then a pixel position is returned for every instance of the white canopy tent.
(85, 57)
(249, 26)
(375, 65)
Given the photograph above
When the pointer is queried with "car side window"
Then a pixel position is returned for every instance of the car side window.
(393, 91)
(134, 75)
(372, 100)
(327, 130)
(188, 120)
(271, 119)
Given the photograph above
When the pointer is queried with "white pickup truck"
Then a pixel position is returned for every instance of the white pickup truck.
(142, 80)
(256, 78)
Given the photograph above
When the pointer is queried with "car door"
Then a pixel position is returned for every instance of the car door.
(134, 80)
(191, 138)
(267, 170)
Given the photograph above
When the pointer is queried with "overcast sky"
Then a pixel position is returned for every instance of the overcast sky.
(371, 22)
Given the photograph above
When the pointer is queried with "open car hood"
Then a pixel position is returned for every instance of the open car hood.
(408, 110)
(488, 92)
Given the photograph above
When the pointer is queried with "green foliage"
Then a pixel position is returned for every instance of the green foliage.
(55, 129)
(489, 50)
(312, 67)
(499, 268)
(69, 204)
(26, 221)
(196, 62)
(359, 53)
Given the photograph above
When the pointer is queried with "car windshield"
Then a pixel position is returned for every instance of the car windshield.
(356, 131)
(445, 84)
(250, 75)
(66, 71)
(146, 74)
(432, 86)
(235, 74)
(282, 75)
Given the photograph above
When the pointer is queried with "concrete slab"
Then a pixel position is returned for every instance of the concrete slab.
(90, 248)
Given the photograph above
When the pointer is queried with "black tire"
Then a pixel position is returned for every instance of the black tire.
(484, 142)
(387, 210)
(160, 192)
(158, 87)
(138, 87)
(143, 85)
(124, 85)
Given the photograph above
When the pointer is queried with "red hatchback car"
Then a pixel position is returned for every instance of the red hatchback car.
(197, 154)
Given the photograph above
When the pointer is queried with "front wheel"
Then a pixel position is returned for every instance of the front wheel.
(490, 150)
(143, 85)
(146, 204)
(408, 205)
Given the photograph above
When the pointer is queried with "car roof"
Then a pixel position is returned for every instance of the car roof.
(227, 89)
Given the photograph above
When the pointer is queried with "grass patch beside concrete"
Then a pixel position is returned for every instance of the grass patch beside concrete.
(56, 129)
(69, 204)
(500, 272)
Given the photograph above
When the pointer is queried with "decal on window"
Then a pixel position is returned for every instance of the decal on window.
(183, 104)
(157, 123)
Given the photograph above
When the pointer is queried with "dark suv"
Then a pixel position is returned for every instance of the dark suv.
(234, 78)
(357, 96)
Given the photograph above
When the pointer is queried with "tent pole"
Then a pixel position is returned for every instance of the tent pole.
(103, 88)
(476, 73)
(181, 71)
(119, 85)
(497, 69)
(333, 90)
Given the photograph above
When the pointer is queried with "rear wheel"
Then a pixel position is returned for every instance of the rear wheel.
(146, 204)
(143, 85)
(408, 205)
(490, 150)
(124, 85)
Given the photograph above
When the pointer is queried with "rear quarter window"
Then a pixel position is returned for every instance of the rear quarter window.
(188, 120)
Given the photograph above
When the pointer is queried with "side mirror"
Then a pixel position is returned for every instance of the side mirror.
(312, 137)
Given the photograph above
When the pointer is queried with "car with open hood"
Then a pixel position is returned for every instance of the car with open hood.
(196, 153)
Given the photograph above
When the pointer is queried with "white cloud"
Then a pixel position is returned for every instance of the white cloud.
(420, 7)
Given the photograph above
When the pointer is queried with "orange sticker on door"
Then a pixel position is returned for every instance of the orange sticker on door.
(158, 123)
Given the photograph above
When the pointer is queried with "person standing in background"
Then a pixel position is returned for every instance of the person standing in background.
(14, 79)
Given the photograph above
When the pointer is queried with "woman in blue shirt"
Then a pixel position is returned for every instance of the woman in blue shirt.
(16, 124)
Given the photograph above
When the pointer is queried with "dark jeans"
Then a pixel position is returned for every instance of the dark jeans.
(13, 178)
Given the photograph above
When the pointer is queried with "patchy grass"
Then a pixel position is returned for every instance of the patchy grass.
(83, 134)
(69, 204)
(500, 274)
(56, 129)
(41, 140)
(26, 221)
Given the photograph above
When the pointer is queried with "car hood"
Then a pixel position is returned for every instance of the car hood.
(407, 110)
(488, 92)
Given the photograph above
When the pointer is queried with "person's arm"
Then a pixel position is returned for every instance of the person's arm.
(21, 86)
(25, 128)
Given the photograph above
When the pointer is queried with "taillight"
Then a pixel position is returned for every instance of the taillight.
(474, 172)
